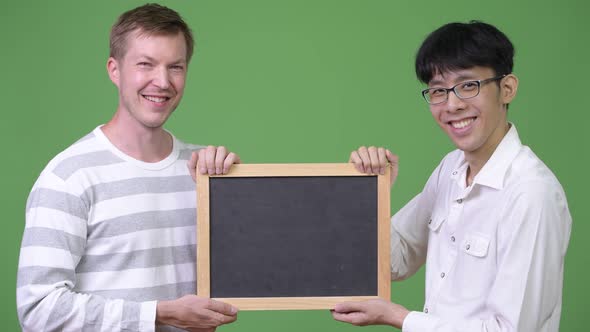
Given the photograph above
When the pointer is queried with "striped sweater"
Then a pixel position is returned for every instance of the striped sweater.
(106, 236)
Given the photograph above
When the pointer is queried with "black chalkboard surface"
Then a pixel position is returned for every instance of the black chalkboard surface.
(292, 236)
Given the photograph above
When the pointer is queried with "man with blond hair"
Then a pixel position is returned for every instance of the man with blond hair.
(109, 242)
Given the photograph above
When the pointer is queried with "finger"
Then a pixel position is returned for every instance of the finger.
(219, 158)
(204, 329)
(354, 318)
(231, 159)
(224, 319)
(192, 165)
(346, 307)
(339, 316)
(222, 308)
(366, 159)
(202, 161)
(381, 154)
(374, 160)
(210, 159)
(356, 160)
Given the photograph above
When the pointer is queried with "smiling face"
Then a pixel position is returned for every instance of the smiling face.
(150, 77)
(476, 125)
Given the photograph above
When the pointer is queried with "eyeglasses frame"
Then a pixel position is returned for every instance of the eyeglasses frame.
(448, 90)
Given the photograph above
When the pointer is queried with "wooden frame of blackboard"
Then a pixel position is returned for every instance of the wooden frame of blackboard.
(262, 171)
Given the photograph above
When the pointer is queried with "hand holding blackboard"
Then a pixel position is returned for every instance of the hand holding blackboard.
(371, 312)
(375, 160)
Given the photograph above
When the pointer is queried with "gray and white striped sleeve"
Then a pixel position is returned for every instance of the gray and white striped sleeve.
(53, 243)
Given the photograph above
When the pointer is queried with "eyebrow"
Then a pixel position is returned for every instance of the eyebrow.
(459, 79)
(149, 58)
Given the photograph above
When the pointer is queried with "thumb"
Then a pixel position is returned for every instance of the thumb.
(394, 162)
(392, 158)
(192, 165)
(223, 308)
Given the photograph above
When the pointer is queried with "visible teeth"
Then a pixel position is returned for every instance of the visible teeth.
(155, 99)
(462, 124)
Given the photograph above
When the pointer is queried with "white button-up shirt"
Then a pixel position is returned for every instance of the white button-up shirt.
(494, 251)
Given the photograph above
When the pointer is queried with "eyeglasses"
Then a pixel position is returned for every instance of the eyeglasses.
(463, 90)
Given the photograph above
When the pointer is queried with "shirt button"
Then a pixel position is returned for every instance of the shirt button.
(452, 239)
(455, 173)
(467, 247)
(425, 310)
(442, 275)
(460, 200)
(429, 221)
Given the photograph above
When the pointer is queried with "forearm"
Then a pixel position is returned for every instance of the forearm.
(46, 308)
(46, 280)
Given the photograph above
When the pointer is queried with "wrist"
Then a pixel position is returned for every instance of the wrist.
(164, 312)
(398, 316)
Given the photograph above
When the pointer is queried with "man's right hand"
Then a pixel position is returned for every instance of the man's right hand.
(374, 160)
(194, 313)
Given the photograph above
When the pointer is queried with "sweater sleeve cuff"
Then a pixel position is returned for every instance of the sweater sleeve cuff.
(147, 316)
(418, 321)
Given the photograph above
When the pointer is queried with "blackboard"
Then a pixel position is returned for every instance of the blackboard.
(292, 236)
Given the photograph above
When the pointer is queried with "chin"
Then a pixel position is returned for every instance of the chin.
(464, 146)
(154, 123)
(157, 121)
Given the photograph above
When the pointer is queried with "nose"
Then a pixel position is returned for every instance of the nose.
(455, 103)
(161, 78)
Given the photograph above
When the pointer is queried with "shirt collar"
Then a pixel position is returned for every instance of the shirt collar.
(494, 171)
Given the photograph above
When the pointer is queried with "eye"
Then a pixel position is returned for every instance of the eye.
(177, 67)
(469, 86)
(144, 64)
(437, 92)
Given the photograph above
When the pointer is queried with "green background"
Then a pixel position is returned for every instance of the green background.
(296, 81)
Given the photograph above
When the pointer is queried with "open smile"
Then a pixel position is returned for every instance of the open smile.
(156, 99)
(463, 123)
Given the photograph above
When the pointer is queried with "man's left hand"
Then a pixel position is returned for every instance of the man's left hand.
(212, 160)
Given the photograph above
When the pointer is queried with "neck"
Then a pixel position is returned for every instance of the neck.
(478, 158)
(136, 140)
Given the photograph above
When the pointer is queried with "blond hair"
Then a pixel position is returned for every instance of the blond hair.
(150, 19)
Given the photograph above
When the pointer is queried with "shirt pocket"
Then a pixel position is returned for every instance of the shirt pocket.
(475, 244)
(436, 220)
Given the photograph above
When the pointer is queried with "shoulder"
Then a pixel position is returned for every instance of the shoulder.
(533, 194)
(529, 176)
(186, 149)
(87, 152)
(53, 188)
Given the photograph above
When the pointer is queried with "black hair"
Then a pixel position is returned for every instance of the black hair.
(464, 45)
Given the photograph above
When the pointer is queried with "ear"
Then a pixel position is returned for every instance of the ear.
(508, 88)
(113, 70)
